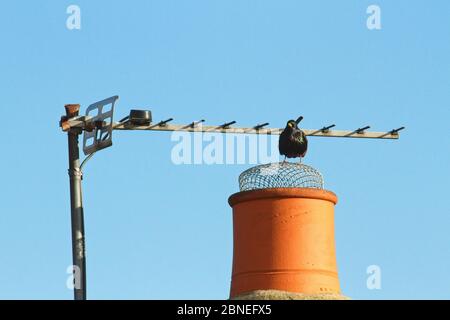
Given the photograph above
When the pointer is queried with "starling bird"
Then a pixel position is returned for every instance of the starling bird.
(293, 142)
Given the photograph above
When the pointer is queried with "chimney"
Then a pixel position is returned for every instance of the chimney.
(283, 235)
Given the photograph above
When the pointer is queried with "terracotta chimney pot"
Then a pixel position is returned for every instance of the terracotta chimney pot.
(283, 244)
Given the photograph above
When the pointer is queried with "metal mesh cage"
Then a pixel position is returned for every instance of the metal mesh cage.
(280, 175)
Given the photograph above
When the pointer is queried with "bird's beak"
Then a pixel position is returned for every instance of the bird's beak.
(299, 119)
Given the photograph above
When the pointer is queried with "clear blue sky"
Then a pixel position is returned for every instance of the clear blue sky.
(250, 61)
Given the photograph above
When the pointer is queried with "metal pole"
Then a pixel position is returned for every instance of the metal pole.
(76, 206)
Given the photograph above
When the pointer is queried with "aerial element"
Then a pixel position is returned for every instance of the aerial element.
(293, 142)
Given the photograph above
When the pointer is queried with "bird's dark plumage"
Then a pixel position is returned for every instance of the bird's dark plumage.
(293, 142)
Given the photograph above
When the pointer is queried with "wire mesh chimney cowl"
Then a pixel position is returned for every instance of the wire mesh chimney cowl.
(280, 175)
